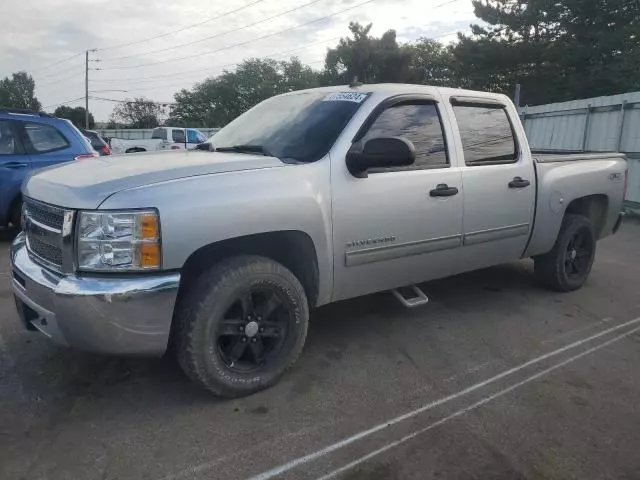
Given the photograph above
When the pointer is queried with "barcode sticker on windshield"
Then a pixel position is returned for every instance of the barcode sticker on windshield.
(345, 97)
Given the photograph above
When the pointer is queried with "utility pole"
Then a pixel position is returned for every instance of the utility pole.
(86, 89)
(86, 85)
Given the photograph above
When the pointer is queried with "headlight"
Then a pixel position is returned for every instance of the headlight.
(127, 240)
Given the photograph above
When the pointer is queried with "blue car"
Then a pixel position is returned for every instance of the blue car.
(31, 140)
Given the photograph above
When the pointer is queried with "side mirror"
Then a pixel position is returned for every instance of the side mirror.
(385, 152)
(204, 146)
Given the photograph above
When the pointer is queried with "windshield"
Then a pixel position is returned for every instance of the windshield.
(301, 126)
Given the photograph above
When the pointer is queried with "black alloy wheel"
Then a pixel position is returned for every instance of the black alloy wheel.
(567, 265)
(253, 330)
(241, 325)
(579, 253)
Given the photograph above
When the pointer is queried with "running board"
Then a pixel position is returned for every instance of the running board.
(419, 299)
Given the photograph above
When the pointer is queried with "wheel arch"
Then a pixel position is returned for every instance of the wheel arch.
(292, 248)
(594, 207)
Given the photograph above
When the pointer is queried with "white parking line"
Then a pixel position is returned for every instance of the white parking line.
(576, 331)
(462, 411)
(365, 433)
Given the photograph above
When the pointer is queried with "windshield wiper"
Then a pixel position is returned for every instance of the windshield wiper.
(246, 149)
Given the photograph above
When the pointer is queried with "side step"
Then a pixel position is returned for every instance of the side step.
(419, 299)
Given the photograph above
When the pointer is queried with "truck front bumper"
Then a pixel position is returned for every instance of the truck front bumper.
(121, 315)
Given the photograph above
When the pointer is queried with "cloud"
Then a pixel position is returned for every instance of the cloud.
(40, 33)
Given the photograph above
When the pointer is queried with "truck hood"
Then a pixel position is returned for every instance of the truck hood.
(87, 183)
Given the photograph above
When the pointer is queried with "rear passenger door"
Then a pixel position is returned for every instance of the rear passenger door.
(499, 183)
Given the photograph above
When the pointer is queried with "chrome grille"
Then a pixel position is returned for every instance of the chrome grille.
(46, 252)
(43, 225)
(45, 214)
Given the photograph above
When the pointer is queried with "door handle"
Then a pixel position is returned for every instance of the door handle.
(443, 190)
(518, 182)
(13, 165)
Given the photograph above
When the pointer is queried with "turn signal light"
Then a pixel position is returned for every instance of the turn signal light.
(149, 255)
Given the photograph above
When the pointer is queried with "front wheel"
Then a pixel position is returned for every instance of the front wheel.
(567, 266)
(242, 326)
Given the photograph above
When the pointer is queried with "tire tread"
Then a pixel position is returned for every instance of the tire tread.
(189, 344)
(549, 266)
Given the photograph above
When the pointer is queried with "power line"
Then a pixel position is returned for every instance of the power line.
(262, 37)
(57, 63)
(193, 42)
(248, 41)
(46, 84)
(217, 67)
(63, 72)
(63, 103)
(130, 101)
(173, 32)
(183, 82)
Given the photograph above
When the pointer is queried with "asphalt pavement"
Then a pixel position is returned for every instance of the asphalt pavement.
(495, 378)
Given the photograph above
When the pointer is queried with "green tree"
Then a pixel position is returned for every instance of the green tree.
(432, 63)
(19, 92)
(371, 59)
(214, 102)
(75, 114)
(556, 50)
(139, 112)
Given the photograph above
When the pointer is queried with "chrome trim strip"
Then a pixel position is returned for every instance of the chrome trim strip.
(41, 225)
(67, 242)
(492, 234)
(389, 252)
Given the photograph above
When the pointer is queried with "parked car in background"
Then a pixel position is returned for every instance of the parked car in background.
(162, 138)
(31, 140)
(308, 198)
(98, 143)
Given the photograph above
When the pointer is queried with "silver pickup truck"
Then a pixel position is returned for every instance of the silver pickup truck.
(308, 198)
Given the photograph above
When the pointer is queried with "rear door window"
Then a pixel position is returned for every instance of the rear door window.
(178, 136)
(486, 134)
(44, 138)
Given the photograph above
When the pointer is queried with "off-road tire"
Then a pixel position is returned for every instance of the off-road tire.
(550, 268)
(205, 305)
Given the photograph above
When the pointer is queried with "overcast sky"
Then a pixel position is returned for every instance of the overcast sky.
(36, 34)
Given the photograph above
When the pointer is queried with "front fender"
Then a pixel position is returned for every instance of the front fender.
(205, 209)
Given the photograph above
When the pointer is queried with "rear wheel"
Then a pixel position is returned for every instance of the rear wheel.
(242, 327)
(567, 266)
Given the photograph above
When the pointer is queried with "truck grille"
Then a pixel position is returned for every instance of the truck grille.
(47, 215)
(43, 226)
(49, 253)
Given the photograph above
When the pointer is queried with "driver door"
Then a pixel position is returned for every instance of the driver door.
(390, 230)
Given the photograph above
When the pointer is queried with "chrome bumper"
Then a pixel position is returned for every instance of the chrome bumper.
(122, 315)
